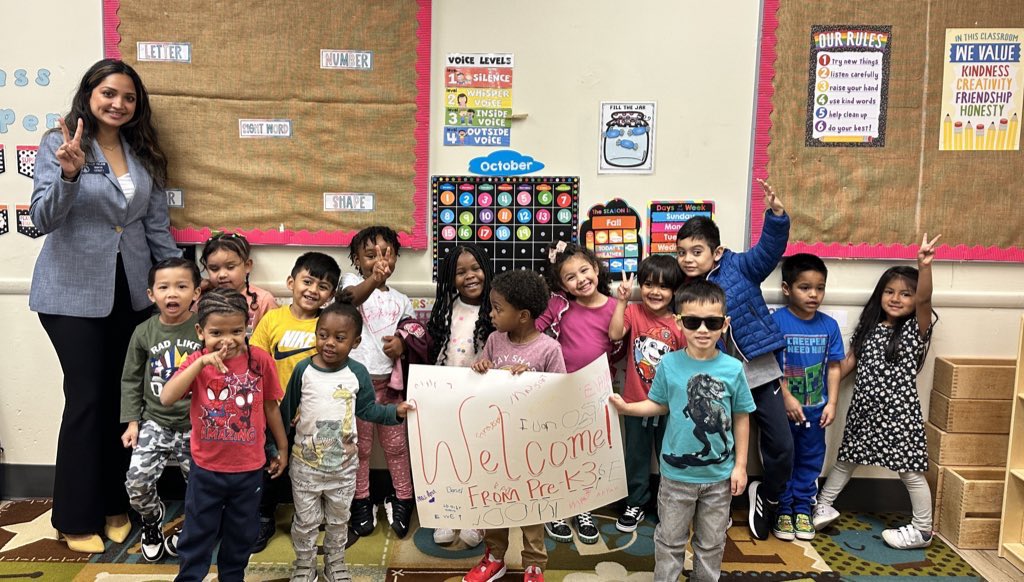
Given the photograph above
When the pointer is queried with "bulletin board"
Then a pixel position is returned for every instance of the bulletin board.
(877, 202)
(354, 149)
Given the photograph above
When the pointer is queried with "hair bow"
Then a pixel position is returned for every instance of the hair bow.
(553, 252)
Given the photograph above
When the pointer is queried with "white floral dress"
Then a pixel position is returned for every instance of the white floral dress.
(885, 426)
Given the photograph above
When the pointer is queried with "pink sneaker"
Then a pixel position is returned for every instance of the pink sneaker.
(487, 570)
(533, 574)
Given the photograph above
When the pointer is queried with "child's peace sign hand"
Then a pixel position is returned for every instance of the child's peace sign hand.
(382, 266)
(625, 289)
(926, 252)
(70, 154)
(770, 199)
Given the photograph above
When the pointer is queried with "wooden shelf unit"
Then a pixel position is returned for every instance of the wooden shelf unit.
(1011, 531)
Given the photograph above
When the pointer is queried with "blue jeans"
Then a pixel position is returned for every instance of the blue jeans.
(223, 505)
(706, 506)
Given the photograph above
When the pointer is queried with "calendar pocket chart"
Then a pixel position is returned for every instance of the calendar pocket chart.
(513, 219)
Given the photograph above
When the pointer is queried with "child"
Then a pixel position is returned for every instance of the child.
(754, 339)
(578, 316)
(288, 333)
(517, 300)
(234, 392)
(884, 426)
(374, 253)
(459, 326)
(705, 394)
(814, 351)
(226, 258)
(653, 332)
(332, 391)
(156, 349)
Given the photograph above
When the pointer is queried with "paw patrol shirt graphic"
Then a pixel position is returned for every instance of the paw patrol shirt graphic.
(228, 425)
(651, 338)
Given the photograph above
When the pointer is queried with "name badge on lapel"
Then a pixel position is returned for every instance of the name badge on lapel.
(95, 168)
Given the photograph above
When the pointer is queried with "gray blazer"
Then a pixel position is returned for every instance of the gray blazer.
(88, 222)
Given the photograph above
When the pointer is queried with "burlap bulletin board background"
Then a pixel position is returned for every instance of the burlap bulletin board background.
(353, 131)
(877, 202)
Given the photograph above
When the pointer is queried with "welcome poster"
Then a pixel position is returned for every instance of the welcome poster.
(981, 89)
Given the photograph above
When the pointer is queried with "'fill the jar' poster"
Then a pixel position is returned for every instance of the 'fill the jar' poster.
(981, 89)
(478, 100)
(627, 138)
(848, 85)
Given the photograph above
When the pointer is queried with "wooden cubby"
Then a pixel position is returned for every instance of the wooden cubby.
(1011, 531)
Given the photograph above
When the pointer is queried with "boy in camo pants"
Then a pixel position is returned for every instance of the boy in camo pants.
(156, 432)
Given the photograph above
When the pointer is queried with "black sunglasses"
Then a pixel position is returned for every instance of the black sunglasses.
(692, 322)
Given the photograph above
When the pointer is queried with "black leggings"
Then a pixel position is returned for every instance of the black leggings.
(776, 440)
(91, 462)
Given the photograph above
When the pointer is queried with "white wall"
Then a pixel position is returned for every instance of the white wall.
(697, 60)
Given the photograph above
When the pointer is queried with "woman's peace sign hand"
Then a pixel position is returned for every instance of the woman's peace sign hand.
(70, 154)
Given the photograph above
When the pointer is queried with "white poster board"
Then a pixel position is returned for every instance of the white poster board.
(497, 450)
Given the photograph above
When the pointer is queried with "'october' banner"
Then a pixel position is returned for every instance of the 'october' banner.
(497, 450)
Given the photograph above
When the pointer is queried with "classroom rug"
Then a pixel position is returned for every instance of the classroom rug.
(850, 550)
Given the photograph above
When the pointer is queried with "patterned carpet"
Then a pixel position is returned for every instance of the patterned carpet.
(852, 550)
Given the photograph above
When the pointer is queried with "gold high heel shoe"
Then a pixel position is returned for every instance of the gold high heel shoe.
(85, 543)
(115, 531)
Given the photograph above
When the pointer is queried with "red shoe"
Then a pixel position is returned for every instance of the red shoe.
(487, 570)
(533, 574)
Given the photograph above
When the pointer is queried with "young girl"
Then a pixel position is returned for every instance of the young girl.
(457, 331)
(226, 259)
(884, 426)
(374, 253)
(653, 332)
(235, 394)
(578, 315)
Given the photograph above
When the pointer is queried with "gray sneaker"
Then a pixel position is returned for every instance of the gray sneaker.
(906, 537)
(336, 570)
(823, 516)
(304, 571)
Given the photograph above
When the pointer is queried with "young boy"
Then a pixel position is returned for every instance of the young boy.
(374, 254)
(517, 299)
(814, 350)
(754, 338)
(332, 391)
(703, 461)
(288, 334)
(158, 346)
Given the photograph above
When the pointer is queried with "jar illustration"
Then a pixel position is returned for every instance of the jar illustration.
(627, 139)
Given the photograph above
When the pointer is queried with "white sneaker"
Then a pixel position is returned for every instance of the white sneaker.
(471, 537)
(444, 535)
(823, 516)
(906, 537)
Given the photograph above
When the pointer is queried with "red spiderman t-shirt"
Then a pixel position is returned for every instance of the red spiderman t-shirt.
(650, 338)
(228, 426)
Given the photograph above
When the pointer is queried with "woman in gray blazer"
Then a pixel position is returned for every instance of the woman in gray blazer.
(99, 195)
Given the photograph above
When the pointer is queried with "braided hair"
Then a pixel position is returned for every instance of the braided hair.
(367, 237)
(439, 326)
(225, 302)
(562, 252)
(231, 242)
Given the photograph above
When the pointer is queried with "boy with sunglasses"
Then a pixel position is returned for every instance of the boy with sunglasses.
(705, 394)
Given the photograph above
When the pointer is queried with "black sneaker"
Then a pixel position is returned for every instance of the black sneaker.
(152, 541)
(171, 543)
(364, 517)
(629, 519)
(762, 512)
(585, 528)
(267, 529)
(399, 513)
(559, 531)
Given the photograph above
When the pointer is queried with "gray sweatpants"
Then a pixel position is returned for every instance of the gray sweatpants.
(156, 445)
(706, 506)
(319, 495)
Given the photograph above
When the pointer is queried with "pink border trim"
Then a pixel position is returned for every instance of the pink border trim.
(762, 138)
(415, 240)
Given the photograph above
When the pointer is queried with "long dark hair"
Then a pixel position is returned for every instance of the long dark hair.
(440, 324)
(233, 243)
(225, 302)
(138, 132)
(873, 314)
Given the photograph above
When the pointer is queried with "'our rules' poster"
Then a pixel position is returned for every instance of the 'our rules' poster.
(478, 99)
(981, 89)
(848, 85)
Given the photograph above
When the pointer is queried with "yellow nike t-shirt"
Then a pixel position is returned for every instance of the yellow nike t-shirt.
(287, 339)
